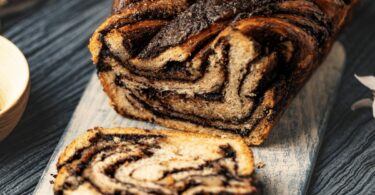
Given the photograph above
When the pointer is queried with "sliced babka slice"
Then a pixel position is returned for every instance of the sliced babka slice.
(219, 66)
(135, 161)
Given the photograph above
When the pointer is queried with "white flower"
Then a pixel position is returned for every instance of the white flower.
(369, 82)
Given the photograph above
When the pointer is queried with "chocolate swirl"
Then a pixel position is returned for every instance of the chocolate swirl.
(134, 161)
(225, 66)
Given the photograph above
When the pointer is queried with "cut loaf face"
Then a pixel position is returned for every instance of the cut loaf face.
(217, 66)
(136, 161)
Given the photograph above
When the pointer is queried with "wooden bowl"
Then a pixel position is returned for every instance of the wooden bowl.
(14, 86)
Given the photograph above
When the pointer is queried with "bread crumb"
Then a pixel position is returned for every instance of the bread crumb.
(260, 165)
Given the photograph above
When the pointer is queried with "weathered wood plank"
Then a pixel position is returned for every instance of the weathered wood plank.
(289, 154)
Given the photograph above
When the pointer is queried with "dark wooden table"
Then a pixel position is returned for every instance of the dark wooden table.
(54, 38)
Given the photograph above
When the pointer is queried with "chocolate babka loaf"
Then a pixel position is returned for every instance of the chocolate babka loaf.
(219, 66)
(135, 161)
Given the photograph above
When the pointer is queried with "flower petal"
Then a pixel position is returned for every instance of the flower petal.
(364, 103)
(368, 81)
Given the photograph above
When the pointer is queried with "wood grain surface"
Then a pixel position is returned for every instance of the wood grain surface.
(54, 38)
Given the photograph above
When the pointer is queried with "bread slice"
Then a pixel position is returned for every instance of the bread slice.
(215, 66)
(136, 161)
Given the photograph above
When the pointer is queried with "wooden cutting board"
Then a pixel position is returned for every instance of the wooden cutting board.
(288, 155)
